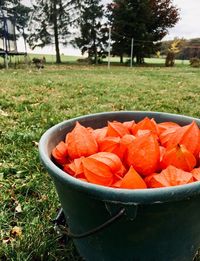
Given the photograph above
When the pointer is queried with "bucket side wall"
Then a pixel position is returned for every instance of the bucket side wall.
(159, 232)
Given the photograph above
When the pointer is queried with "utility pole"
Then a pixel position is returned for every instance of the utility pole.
(6, 60)
(109, 46)
(132, 44)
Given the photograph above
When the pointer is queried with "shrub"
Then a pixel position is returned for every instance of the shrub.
(195, 62)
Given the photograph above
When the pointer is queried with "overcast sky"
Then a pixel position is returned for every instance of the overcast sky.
(189, 24)
(187, 27)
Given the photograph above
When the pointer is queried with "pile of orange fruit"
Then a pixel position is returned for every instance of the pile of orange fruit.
(132, 155)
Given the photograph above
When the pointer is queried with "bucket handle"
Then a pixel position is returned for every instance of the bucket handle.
(61, 229)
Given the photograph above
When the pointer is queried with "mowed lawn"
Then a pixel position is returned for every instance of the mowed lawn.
(31, 102)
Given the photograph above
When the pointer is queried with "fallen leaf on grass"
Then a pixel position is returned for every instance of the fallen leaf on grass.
(43, 198)
(35, 143)
(18, 208)
(3, 113)
(7, 240)
(16, 232)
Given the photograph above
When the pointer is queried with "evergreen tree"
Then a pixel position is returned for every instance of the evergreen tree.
(50, 23)
(147, 21)
(93, 33)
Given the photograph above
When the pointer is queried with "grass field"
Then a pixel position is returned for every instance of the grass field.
(72, 60)
(31, 102)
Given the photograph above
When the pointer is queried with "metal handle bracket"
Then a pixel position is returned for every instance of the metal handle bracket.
(61, 228)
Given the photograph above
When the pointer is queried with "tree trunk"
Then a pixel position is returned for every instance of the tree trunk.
(96, 58)
(58, 59)
(137, 59)
(95, 50)
(121, 58)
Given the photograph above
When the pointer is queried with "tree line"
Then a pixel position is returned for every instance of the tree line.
(189, 48)
(86, 23)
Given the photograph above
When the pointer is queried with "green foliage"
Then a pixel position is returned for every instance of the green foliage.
(195, 62)
(93, 34)
(145, 21)
(189, 49)
(50, 23)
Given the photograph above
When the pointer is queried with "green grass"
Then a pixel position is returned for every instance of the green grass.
(32, 101)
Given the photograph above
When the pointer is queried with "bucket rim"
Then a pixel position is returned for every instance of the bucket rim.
(108, 194)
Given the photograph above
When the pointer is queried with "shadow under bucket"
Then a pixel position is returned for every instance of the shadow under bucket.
(146, 225)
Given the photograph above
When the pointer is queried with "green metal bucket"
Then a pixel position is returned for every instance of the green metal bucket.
(117, 224)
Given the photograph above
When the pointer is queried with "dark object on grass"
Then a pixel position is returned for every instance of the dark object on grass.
(149, 223)
(39, 63)
(85, 60)
(60, 226)
(195, 62)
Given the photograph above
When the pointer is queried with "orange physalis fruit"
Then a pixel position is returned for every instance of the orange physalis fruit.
(116, 129)
(132, 156)
(144, 154)
(147, 179)
(80, 142)
(166, 125)
(117, 184)
(101, 168)
(129, 125)
(78, 166)
(111, 144)
(162, 152)
(142, 132)
(166, 135)
(124, 143)
(75, 168)
(171, 176)
(189, 136)
(157, 181)
(97, 172)
(145, 124)
(60, 153)
(179, 157)
(198, 159)
(196, 174)
(69, 168)
(132, 180)
(112, 161)
(90, 129)
(100, 134)
(177, 176)
(127, 139)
